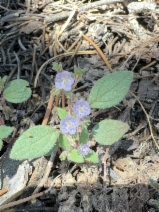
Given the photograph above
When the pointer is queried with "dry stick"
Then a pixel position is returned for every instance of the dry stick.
(46, 174)
(43, 40)
(33, 63)
(67, 22)
(19, 65)
(11, 204)
(97, 3)
(147, 116)
(46, 48)
(28, 6)
(3, 191)
(53, 58)
(104, 161)
(62, 16)
(58, 42)
(2, 207)
(3, 54)
(72, 46)
(9, 17)
(63, 28)
(6, 39)
(150, 64)
(25, 22)
(136, 64)
(76, 49)
(53, 182)
(48, 110)
(99, 51)
(54, 49)
(21, 44)
(56, 17)
(4, 8)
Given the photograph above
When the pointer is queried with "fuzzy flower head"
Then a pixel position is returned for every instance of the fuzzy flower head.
(84, 149)
(81, 109)
(69, 125)
(64, 80)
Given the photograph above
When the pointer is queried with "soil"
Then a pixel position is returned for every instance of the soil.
(33, 34)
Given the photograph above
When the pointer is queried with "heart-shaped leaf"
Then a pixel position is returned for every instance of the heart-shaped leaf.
(17, 91)
(109, 131)
(53, 150)
(110, 90)
(5, 131)
(57, 66)
(75, 156)
(62, 113)
(84, 136)
(64, 142)
(63, 156)
(92, 157)
(34, 142)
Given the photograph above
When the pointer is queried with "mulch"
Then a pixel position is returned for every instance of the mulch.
(33, 34)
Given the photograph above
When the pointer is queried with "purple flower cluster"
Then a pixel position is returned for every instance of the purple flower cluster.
(81, 109)
(64, 80)
(69, 125)
(84, 149)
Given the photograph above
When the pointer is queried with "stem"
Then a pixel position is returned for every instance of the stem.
(70, 106)
(63, 98)
(57, 101)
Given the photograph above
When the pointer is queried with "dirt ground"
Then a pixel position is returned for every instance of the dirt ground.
(33, 34)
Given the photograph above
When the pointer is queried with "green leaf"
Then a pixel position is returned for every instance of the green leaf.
(34, 142)
(57, 66)
(92, 157)
(54, 149)
(2, 82)
(62, 113)
(75, 156)
(63, 156)
(154, 184)
(68, 94)
(64, 143)
(4, 79)
(109, 131)
(110, 90)
(84, 136)
(17, 91)
(1, 144)
(5, 131)
(56, 91)
(7, 112)
(78, 71)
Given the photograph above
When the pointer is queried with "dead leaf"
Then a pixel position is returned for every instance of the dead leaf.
(31, 27)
